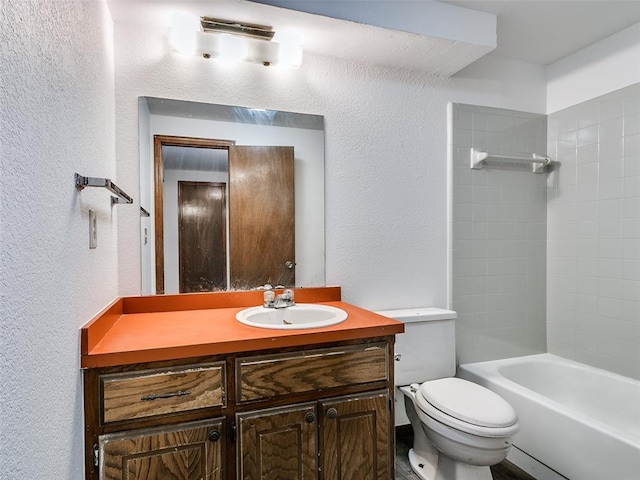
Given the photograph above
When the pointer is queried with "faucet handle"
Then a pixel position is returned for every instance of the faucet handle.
(286, 299)
(268, 298)
(288, 293)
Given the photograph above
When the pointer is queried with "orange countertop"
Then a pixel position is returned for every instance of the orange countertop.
(146, 329)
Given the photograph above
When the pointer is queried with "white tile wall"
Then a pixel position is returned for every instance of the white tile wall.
(499, 233)
(593, 282)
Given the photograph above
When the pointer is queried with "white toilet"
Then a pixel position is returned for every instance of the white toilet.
(460, 428)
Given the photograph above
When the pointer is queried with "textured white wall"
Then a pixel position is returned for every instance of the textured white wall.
(57, 118)
(385, 151)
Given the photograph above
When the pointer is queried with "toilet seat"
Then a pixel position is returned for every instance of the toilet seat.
(468, 407)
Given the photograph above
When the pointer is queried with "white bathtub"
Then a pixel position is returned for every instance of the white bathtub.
(579, 421)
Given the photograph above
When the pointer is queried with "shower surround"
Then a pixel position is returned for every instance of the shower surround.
(498, 234)
(548, 262)
(593, 240)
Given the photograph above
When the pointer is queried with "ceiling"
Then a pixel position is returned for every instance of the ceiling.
(535, 31)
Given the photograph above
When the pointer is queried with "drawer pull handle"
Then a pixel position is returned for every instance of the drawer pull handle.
(332, 413)
(214, 436)
(154, 396)
(309, 417)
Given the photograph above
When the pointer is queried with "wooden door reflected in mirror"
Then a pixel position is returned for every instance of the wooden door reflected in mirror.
(202, 236)
(262, 216)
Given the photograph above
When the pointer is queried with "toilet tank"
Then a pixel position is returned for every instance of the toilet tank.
(427, 348)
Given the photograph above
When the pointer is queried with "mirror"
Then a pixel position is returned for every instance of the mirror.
(222, 135)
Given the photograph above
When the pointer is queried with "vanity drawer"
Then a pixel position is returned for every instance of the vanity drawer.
(266, 376)
(131, 395)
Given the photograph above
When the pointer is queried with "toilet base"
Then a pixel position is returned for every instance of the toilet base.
(423, 468)
(446, 468)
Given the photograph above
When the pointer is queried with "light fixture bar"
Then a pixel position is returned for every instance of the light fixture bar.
(252, 30)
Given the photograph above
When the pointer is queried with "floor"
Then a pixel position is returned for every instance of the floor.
(503, 471)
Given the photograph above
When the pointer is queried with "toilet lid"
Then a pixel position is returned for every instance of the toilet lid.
(468, 402)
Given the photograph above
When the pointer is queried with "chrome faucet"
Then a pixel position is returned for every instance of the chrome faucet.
(284, 300)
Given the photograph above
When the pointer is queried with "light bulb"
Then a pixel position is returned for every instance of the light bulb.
(182, 32)
(183, 41)
(232, 49)
(290, 52)
(183, 21)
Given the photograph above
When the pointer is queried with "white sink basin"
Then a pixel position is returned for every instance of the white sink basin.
(301, 315)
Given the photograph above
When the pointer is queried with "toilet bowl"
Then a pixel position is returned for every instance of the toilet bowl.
(460, 429)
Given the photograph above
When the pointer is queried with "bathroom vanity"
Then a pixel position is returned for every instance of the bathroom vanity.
(175, 387)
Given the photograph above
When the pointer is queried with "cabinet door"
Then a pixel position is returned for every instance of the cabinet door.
(189, 451)
(355, 442)
(278, 444)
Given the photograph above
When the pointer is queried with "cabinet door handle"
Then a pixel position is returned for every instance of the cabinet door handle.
(309, 417)
(332, 413)
(155, 396)
(214, 435)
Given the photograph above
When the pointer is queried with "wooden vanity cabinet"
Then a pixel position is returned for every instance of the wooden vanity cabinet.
(316, 413)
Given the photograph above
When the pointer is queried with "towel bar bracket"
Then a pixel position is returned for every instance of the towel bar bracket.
(121, 196)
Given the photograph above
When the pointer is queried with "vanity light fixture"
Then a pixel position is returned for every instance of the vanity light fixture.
(228, 41)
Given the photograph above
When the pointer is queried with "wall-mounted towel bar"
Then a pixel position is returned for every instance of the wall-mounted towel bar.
(538, 162)
(122, 197)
